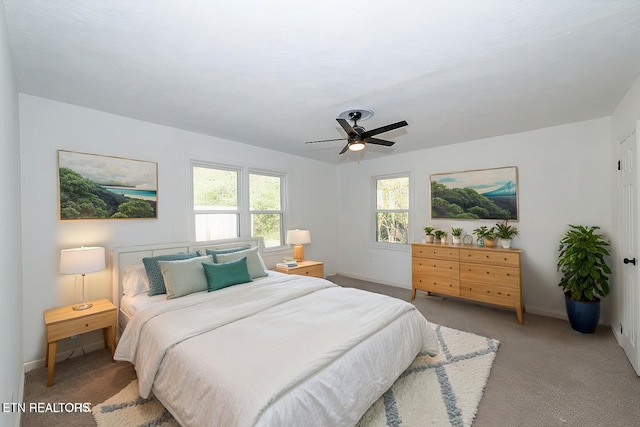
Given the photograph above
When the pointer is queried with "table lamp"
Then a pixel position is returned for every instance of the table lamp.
(298, 238)
(82, 261)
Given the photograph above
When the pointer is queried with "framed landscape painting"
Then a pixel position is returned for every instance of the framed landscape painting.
(91, 186)
(476, 194)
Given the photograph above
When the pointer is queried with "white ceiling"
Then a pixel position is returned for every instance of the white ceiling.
(275, 73)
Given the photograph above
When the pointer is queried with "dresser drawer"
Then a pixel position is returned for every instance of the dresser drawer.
(68, 328)
(433, 251)
(505, 276)
(435, 267)
(438, 285)
(492, 294)
(501, 258)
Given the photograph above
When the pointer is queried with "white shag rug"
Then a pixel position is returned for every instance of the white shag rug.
(444, 390)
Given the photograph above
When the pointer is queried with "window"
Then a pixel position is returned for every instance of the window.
(216, 203)
(265, 208)
(227, 205)
(392, 209)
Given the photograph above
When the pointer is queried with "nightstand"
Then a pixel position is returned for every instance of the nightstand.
(305, 268)
(65, 322)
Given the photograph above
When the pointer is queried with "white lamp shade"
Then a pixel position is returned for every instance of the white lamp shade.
(81, 260)
(298, 237)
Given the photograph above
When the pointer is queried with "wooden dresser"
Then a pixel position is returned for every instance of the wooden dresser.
(489, 275)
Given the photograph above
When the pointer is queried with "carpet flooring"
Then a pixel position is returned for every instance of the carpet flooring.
(544, 374)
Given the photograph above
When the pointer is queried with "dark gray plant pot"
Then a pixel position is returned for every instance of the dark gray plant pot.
(583, 315)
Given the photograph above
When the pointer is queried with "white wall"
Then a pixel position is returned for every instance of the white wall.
(47, 126)
(11, 372)
(564, 178)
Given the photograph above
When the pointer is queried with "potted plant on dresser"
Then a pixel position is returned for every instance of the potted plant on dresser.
(428, 231)
(456, 233)
(441, 235)
(584, 275)
(505, 232)
(482, 233)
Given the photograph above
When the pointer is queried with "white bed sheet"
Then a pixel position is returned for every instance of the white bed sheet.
(283, 357)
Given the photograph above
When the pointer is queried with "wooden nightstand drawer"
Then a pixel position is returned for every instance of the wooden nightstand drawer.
(305, 268)
(313, 271)
(69, 328)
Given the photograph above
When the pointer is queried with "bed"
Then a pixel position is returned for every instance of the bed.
(276, 350)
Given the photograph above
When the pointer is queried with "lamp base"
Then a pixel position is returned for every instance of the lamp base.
(298, 252)
(83, 306)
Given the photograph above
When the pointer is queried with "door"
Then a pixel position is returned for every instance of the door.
(626, 318)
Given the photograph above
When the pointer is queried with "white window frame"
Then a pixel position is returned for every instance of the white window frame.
(282, 212)
(375, 210)
(243, 211)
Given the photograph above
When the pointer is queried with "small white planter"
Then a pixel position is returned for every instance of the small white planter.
(506, 243)
(457, 240)
(429, 238)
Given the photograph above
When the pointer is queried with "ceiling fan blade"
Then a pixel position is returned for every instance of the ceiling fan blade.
(325, 140)
(380, 142)
(346, 126)
(344, 150)
(382, 129)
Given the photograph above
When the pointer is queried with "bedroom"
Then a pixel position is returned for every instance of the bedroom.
(560, 168)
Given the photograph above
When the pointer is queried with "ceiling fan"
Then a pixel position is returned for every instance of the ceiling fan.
(357, 136)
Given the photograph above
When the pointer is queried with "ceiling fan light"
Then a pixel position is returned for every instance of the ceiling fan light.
(356, 146)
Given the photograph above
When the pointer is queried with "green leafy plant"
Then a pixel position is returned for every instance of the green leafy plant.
(440, 234)
(455, 231)
(582, 263)
(429, 231)
(505, 231)
(483, 231)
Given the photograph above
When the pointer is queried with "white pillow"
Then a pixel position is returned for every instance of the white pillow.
(255, 265)
(135, 280)
(184, 277)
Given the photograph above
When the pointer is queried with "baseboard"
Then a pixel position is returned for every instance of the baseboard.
(532, 310)
(374, 280)
(63, 355)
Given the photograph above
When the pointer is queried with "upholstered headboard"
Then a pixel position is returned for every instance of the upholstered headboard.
(130, 255)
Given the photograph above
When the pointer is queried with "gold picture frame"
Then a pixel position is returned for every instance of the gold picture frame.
(476, 194)
(94, 186)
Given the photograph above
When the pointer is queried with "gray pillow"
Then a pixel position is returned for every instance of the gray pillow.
(184, 277)
(253, 261)
(156, 282)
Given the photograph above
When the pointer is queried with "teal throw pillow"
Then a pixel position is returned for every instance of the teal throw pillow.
(222, 275)
(156, 281)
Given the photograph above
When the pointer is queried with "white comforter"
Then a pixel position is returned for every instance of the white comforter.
(283, 350)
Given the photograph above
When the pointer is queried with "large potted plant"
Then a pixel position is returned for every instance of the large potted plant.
(582, 261)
